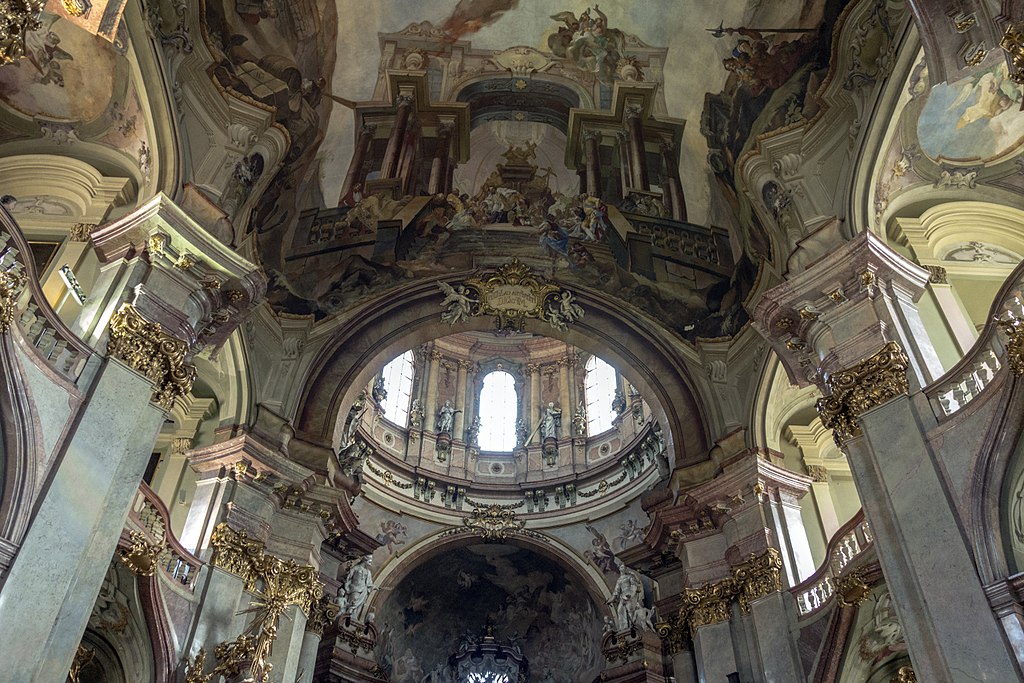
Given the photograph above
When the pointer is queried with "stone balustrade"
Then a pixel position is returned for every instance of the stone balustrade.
(22, 303)
(149, 515)
(849, 543)
(969, 378)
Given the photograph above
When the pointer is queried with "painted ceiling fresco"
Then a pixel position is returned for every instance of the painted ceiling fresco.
(728, 82)
(527, 598)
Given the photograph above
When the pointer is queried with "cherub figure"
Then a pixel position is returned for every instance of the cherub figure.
(458, 304)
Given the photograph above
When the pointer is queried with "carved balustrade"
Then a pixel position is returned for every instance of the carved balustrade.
(149, 516)
(22, 303)
(990, 354)
(848, 544)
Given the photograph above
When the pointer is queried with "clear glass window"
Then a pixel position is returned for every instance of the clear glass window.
(499, 408)
(398, 384)
(600, 392)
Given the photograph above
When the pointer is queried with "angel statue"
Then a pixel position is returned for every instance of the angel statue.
(564, 311)
(588, 43)
(457, 303)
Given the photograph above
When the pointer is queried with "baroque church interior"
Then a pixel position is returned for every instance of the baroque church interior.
(508, 341)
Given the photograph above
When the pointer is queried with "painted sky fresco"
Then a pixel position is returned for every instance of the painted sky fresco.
(977, 118)
(694, 64)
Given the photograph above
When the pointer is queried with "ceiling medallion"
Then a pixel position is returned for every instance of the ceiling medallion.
(511, 294)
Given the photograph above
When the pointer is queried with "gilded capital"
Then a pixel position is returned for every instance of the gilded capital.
(758, 576)
(871, 382)
(708, 604)
(324, 611)
(146, 348)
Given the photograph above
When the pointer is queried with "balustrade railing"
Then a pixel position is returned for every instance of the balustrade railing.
(969, 378)
(150, 516)
(851, 541)
(28, 308)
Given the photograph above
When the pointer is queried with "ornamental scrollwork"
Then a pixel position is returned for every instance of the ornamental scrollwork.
(511, 294)
(141, 557)
(10, 287)
(758, 576)
(872, 382)
(708, 604)
(146, 348)
(17, 17)
(494, 522)
(1014, 330)
(276, 584)
(322, 612)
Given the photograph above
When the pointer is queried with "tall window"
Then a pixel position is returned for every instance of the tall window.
(398, 384)
(600, 392)
(499, 407)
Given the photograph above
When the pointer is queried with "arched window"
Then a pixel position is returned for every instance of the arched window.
(600, 392)
(398, 384)
(499, 408)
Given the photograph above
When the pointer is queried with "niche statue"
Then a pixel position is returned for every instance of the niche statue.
(358, 587)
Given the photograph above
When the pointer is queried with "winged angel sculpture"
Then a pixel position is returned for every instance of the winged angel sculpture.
(588, 43)
(458, 304)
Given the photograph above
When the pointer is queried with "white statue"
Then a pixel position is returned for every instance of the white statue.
(357, 588)
(628, 599)
(457, 304)
(550, 422)
(355, 416)
(446, 418)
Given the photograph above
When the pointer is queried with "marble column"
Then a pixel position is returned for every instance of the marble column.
(534, 409)
(625, 170)
(49, 591)
(673, 187)
(592, 160)
(564, 397)
(409, 158)
(951, 632)
(637, 151)
(684, 667)
(713, 650)
(307, 655)
(953, 311)
(397, 138)
(430, 404)
(460, 398)
(354, 176)
(439, 165)
(850, 318)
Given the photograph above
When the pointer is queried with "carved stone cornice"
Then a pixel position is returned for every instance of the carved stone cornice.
(1014, 330)
(871, 382)
(142, 555)
(146, 348)
(758, 576)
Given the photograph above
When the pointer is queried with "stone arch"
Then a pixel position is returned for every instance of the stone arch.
(389, 325)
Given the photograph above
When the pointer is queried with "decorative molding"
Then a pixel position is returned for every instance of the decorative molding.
(10, 287)
(17, 17)
(1013, 328)
(511, 294)
(276, 583)
(757, 577)
(673, 634)
(871, 382)
(141, 556)
(80, 232)
(494, 522)
(905, 675)
(232, 656)
(82, 657)
(852, 589)
(322, 612)
(153, 353)
(817, 473)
